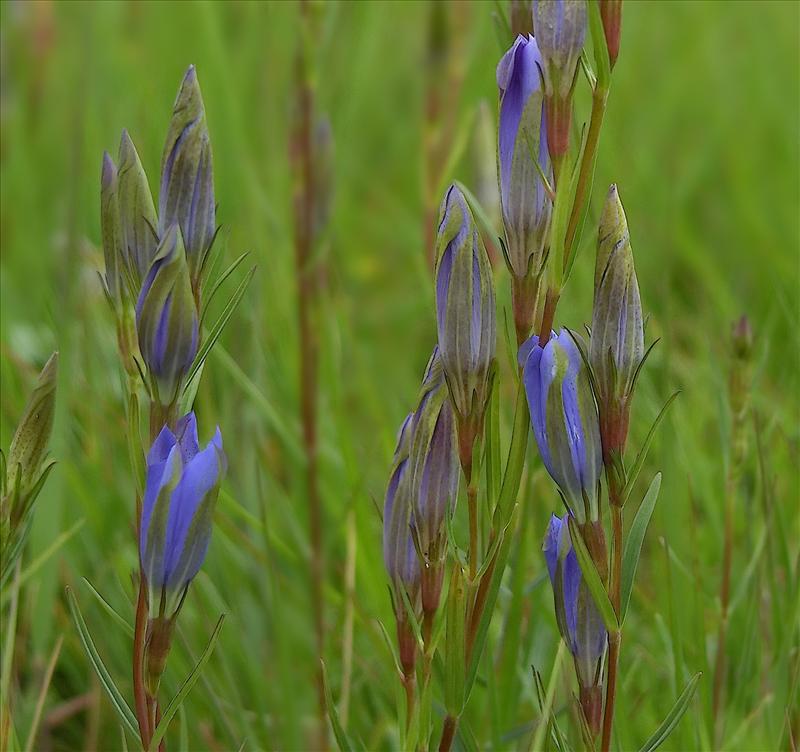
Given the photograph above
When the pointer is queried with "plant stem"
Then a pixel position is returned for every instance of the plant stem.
(614, 638)
(302, 153)
(550, 303)
(599, 99)
(472, 503)
(448, 733)
(139, 690)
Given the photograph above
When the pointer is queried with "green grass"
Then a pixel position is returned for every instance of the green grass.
(701, 137)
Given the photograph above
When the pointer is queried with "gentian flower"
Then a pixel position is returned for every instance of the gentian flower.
(579, 620)
(399, 552)
(137, 212)
(187, 180)
(616, 345)
(465, 314)
(181, 490)
(522, 139)
(564, 419)
(166, 317)
(434, 475)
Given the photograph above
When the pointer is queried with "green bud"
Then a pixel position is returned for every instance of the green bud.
(30, 442)
(110, 226)
(137, 213)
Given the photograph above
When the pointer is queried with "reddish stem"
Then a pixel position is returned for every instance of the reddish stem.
(139, 690)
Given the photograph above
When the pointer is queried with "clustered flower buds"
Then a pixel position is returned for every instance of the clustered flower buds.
(26, 469)
(565, 422)
(465, 315)
(578, 619)
(560, 29)
(616, 345)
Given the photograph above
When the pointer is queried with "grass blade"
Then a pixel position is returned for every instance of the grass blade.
(633, 546)
(185, 688)
(117, 700)
(333, 714)
(673, 717)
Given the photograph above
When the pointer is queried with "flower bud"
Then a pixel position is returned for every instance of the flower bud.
(465, 313)
(560, 29)
(399, 552)
(186, 196)
(29, 445)
(564, 418)
(434, 475)
(166, 317)
(611, 15)
(181, 490)
(522, 139)
(616, 346)
(110, 227)
(579, 620)
(137, 214)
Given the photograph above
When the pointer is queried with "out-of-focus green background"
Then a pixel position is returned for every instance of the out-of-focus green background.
(701, 136)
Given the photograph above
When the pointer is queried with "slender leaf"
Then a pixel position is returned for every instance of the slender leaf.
(633, 545)
(673, 717)
(110, 609)
(185, 688)
(333, 714)
(117, 700)
(592, 578)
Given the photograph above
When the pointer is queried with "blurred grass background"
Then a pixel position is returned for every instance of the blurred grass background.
(701, 136)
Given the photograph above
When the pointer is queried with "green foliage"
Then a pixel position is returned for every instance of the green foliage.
(700, 135)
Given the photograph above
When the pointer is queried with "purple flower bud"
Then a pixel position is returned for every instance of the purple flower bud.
(187, 180)
(564, 418)
(181, 490)
(522, 139)
(579, 621)
(465, 314)
(136, 212)
(434, 467)
(166, 317)
(560, 29)
(399, 551)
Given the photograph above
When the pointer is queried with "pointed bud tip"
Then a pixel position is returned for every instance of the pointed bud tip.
(108, 171)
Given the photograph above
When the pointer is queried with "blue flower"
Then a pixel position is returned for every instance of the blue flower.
(579, 621)
(181, 490)
(522, 139)
(465, 315)
(564, 419)
(560, 29)
(166, 318)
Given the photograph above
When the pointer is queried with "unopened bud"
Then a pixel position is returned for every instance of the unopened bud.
(611, 15)
(110, 227)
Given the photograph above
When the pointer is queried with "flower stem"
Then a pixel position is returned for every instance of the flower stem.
(614, 638)
(472, 503)
(550, 303)
(599, 99)
(448, 733)
(139, 689)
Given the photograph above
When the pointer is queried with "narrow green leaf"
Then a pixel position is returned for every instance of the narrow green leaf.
(109, 608)
(633, 545)
(333, 714)
(673, 717)
(117, 700)
(601, 58)
(454, 680)
(216, 330)
(219, 282)
(185, 688)
(477, 209)
(592, 578)
(640, 458)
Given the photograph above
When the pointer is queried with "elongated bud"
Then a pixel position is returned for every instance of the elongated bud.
(616, 346)
(181, 490)
(166, 317)
(611, 15)
(522, 141)
(560, 29)
(399, 552)
(136, 212)
(465, 308)
(29, 445)
(186, 196)
(434, 476)
(579, 621)
(564, 419)
(110, 227)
